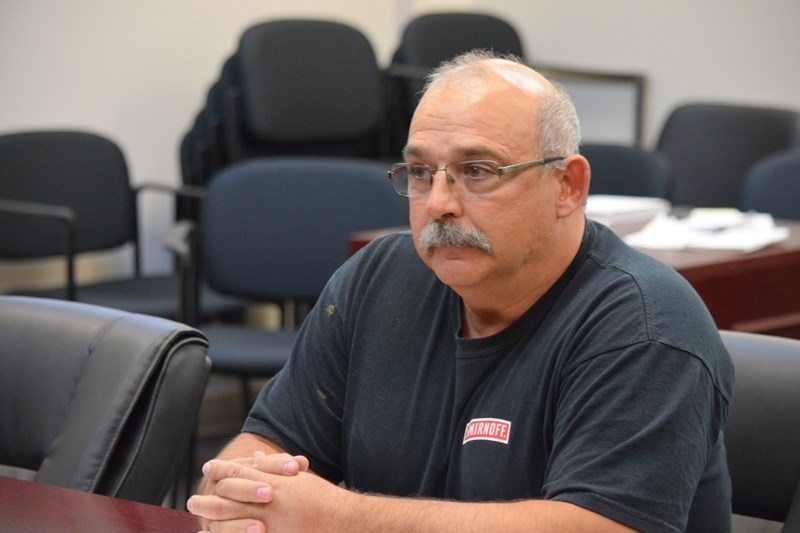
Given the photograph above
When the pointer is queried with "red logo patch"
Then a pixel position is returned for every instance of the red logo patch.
(492, 429)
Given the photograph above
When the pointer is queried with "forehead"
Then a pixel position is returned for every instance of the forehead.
(491, 119)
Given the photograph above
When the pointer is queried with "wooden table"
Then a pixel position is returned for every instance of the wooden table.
(757, 291)
(26, 506)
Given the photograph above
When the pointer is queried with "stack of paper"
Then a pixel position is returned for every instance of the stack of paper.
(624, 210)
(712, 229)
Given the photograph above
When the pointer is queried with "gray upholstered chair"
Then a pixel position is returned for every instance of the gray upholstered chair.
(65, 193)
(429, 39)
(772, 185)
(303, 87)
(97, 399)
(273, 231)
(710, 146)
(762, 434)
(625, 170)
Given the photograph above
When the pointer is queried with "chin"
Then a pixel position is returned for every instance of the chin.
(455, 266)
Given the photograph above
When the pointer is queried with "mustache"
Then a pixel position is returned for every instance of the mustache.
(449, 233)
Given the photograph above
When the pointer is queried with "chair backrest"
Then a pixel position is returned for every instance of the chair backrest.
(78, 170)
(97, 399)
(625, 170)
(709, 148)
(276, 229)
(429, 39)
(772, 185)
(762, 435)
(305, 87)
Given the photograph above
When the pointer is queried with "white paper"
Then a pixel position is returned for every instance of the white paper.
(724, 229)
(611, 209)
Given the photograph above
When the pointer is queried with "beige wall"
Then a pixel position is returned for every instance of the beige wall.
(138, 71)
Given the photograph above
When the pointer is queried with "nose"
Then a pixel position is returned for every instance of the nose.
(442, 199)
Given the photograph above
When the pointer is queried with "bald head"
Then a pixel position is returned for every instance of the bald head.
(475, 73)
(478, 67)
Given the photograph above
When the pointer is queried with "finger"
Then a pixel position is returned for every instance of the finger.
(280, 463)
(244, 490)
(218, 469)
(216, 508)
(250, 526)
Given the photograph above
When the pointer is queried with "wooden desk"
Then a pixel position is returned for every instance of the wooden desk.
(757, 292)
(36, 507)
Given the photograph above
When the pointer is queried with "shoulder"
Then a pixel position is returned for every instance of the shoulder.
(657, 291)
(388, 263)
(660, 308)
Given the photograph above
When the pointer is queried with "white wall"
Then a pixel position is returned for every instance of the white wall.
(138, 71)
(743, 51)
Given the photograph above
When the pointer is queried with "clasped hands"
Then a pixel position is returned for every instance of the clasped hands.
(274, 492)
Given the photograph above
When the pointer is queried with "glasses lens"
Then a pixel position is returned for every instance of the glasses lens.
(411, 180)
(477, 177)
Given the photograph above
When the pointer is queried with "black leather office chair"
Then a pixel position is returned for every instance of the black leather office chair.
(97, 399)
(772, 185)
(709, 148)
(63, 193)
(274, 230)
(625, 170)
(762, 435)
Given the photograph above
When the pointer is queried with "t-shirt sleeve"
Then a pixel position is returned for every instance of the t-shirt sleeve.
(301, 407)
(624, 419)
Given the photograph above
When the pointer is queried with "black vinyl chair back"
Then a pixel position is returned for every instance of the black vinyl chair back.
(762, 436)
(305, 87)
(276, 229)
(709, 148)
(97, 399)
(772, 185)
(429, 39)
(625, 170)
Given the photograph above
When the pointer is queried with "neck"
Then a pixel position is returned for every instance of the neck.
(490, 309)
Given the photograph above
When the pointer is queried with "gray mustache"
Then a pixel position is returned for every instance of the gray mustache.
(438, 233)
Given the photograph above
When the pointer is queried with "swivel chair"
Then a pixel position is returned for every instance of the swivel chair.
(97, 399)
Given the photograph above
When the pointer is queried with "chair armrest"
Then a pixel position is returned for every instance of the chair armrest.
(58, 213)
(181, 241)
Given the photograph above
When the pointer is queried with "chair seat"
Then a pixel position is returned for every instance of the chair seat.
(246, 350)
(155, 296)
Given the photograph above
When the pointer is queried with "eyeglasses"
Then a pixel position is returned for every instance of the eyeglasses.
(476, 177)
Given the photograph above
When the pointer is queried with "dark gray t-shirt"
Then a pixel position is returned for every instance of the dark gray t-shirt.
(610, 392)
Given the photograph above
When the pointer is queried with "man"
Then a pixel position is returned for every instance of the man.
(508, 366)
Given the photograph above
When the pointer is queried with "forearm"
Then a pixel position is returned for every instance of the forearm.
(305, 502)
(379, 514)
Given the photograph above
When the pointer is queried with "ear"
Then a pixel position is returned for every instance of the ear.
(574, 185)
